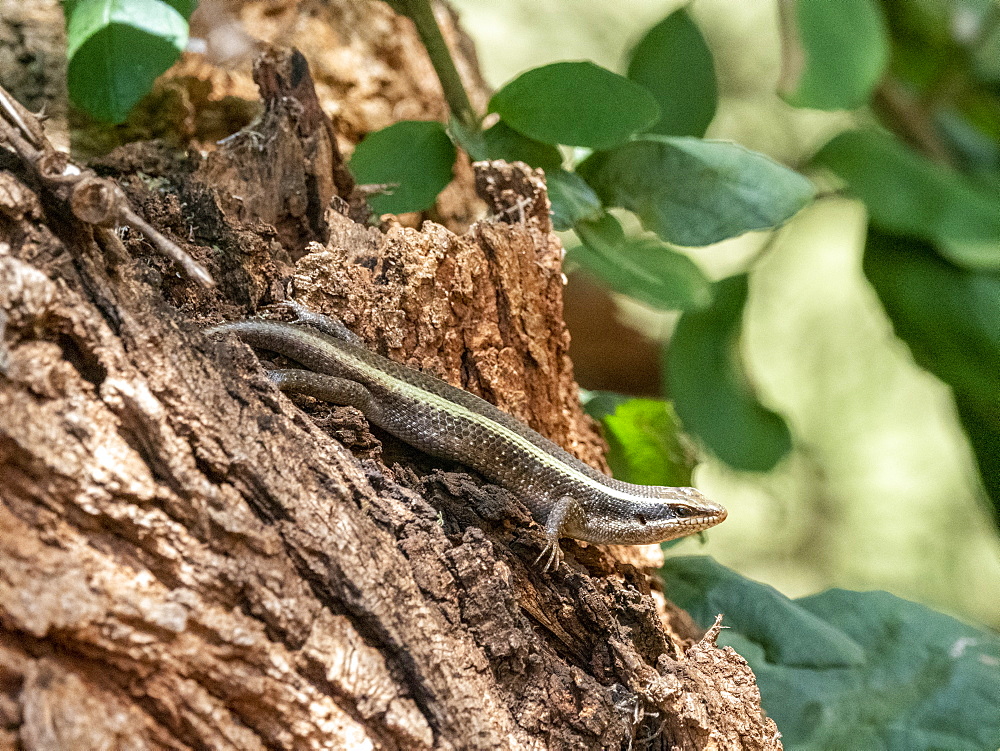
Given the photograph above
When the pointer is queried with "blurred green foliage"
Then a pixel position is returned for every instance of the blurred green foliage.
(835, 52)
(645, 443)
(911, 196)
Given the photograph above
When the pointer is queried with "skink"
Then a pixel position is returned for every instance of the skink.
(567, 497)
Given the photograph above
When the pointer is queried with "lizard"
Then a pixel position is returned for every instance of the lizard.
(567, 497)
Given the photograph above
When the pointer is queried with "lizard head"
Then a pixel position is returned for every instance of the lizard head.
(679, 512)
(666, 513)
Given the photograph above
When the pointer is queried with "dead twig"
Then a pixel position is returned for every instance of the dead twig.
(92, 199)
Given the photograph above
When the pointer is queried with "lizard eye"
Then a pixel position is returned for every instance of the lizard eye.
(684, 512)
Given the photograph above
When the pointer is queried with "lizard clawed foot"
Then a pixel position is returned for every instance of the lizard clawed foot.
(554, 556)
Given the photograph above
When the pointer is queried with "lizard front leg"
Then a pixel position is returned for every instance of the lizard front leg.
(555, 526)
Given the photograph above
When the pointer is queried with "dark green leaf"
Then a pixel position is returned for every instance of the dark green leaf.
(640, 267)
(116, 49)
(503, 142)
(675, 64)
(950, 318)
(600, 404)
(184, 7)
(644, 444)
(907, 194)
(834, 53)
(572, 199)
(786, 633)
(982, 426)
(694, 192)
(924, 47)
(976, 154)
(710, 390)
(470, 139)
(906, 677)
(577, 104)
(415, 155)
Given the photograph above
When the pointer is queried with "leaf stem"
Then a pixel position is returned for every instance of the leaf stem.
(422, 15)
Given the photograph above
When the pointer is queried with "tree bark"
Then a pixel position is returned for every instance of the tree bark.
(190, 559)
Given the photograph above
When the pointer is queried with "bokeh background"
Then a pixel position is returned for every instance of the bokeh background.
(880, 490)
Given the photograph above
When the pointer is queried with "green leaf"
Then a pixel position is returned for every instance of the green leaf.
(600, 404)
(116, 49)
(469, 138)
(695, 192)
(675, 64)
(644, 444)
(982, 426)
(503, 142)
(415, 155)
(924, 47)
(640, 267)
(852, 670)
(184, 7)
(711, 392)
(986, 49)
(784, 632)
(577, 104)
(834, 53)
(950, 318)
(572, 199)
(906, 194)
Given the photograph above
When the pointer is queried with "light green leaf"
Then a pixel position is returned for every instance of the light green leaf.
(710, 390)
(415, 155)
(116, 49)
(576, 104)
(675, 64)
(640, 267)
(852, 670)
(906, 194)
(644, 444)
(834, 53)
(695, 192)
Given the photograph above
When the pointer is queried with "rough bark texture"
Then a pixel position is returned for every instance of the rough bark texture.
(188, 559)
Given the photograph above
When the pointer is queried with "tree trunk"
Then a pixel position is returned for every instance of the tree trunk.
(189, 559)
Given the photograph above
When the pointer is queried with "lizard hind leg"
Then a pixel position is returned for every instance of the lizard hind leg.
(552, 554)
(555, 525)
(328, 388)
